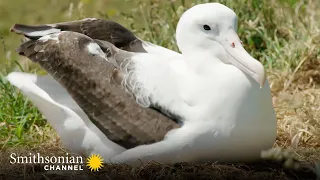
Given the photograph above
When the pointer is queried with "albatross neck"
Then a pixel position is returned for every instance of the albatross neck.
(202, 61)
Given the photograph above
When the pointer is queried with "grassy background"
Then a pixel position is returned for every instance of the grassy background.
(283, 34)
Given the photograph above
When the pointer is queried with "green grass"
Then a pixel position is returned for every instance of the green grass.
(283, 35)
(18, 118)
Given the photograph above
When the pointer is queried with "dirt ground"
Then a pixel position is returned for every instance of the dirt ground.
(181, 171)
(264, 170)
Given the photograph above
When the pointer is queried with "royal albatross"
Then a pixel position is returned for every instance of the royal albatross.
(142, 102)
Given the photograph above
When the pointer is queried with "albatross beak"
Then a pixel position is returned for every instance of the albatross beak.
(241, 59)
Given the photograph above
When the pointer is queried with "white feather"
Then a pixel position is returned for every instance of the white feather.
(94, 49)
(43, 33)
(54, 37)
(76, 131)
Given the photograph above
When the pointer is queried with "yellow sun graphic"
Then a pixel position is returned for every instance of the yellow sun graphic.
(95, 162)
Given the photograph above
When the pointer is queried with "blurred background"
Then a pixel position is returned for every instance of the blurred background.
(283, 34)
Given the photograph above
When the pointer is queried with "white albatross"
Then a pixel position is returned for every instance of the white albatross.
(213, 99)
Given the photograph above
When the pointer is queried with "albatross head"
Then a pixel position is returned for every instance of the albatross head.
(212, 28)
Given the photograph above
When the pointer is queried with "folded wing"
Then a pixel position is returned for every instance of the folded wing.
(78, 64)
(97, 29)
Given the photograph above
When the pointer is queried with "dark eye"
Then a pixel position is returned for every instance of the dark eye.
(206, 27)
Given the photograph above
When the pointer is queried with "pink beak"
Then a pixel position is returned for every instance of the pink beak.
(242, 59)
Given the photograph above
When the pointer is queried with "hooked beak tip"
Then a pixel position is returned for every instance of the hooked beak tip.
(263, 81)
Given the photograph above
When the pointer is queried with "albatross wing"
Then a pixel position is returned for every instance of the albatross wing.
(92, 82)
(97, 29)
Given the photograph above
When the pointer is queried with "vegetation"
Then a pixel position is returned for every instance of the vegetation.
(283, 34)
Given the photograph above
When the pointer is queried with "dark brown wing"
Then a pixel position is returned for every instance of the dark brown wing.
(100, 30)
(94, 28)
(94, 84)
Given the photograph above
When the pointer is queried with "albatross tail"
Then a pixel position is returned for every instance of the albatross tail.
(34, 32)
(94, 28)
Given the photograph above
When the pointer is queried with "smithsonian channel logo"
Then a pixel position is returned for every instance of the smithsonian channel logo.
(60, 163)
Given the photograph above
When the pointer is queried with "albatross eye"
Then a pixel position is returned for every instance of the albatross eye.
(206, 27)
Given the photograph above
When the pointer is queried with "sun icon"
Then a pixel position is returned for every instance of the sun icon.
(95, 162)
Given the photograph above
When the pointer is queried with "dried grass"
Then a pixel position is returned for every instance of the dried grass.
(296, 98)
